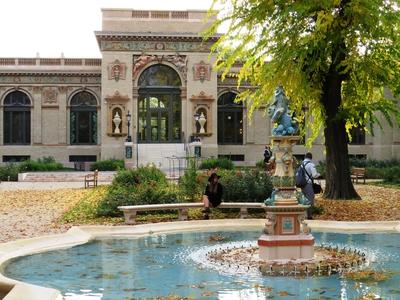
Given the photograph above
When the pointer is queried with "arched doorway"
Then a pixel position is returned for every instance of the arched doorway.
(159, 105)
(83, 119)
(230, 120)
(17, 119)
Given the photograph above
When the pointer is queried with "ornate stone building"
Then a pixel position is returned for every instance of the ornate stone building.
(156, 70)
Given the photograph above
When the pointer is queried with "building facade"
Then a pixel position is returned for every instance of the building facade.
(153, 87)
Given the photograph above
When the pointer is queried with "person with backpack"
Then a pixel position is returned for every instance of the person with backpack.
(308, 171)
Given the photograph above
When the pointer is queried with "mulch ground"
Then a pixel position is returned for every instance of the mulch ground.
(377, 204)
(32, 213)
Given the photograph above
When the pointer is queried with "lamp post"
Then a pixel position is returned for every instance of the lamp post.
(128, 142)
(128, 123)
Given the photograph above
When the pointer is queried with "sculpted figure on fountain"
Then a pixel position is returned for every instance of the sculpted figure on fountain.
(279, 113)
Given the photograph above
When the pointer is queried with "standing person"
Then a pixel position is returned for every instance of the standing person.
(267, 154)
(212, 194)
(311, 173)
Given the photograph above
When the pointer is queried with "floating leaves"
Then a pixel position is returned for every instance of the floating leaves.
(368, 275)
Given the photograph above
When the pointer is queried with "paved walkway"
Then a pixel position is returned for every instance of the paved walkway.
(20, 185)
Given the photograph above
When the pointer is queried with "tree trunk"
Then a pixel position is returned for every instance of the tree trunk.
(338, 181)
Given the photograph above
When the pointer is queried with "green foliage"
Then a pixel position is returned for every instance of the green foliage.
(260, 164)
(108, 165)
(392, 175)
(373, 163)
(9, 172)
(249, 185)
(374, 169)
(220, 163)
(189, 184)
(306, 42)
(42, 164)
(317, 210)
(338, 59)
(145, 185)
(321, 168)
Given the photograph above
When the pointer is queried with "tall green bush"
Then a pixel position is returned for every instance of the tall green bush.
(108, 165)
(189, 184)
(9, 172)
(248, 185)
(392, 175)
(145, 185)
(220, 163)
(42, 164)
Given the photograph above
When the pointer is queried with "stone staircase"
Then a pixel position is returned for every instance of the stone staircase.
(104, 176)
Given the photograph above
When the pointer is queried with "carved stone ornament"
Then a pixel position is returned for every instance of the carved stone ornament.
(179, 61)
(201, 71)
(117, 98)
(202, 97)
(116, 70)
(49, 95)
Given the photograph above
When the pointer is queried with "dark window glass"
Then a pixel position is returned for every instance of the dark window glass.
(230, 120)
(17, 119)
(159, 106)
(15, 158)
(82, 158)
(83, 119)
(357, 136)
(232, 157)
(159, 75)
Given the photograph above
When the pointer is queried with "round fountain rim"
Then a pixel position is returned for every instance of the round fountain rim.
(82, 234)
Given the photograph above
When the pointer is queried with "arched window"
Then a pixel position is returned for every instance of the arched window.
(159, 105)
(17, 119)
(230, 120)
(83, 119)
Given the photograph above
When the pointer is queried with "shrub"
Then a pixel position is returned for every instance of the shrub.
(42, 164)
(392, 175)
(140, 175)
(145, 185)
(260, 164)
(189, 184)
(108, 165)
(249, 185)
(220, 163)
(9, 172)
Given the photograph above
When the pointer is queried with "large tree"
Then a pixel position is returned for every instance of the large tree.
(333, 57)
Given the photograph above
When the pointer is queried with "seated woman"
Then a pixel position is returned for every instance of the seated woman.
(212, 194)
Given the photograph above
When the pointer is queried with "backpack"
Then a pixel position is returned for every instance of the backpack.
(300, 177)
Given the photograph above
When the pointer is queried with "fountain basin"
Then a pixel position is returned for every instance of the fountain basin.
(84, 234)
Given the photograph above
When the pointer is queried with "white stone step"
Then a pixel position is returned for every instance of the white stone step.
(104, 176)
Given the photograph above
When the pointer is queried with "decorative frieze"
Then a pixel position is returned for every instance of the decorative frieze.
(178, 46)
(48, 79)
(201, 71)
(179, 61)
(49, 95)
(116, 70)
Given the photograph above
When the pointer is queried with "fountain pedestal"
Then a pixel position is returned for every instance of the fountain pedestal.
(286, 236)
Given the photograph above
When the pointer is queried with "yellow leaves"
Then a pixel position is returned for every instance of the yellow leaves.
(368, 275)
(377, 204)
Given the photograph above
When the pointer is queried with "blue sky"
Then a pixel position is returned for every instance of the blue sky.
(52, 27)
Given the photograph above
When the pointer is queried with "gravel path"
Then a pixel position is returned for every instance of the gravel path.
(26, 211)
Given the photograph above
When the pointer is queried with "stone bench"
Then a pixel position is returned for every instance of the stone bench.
(130, 211)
